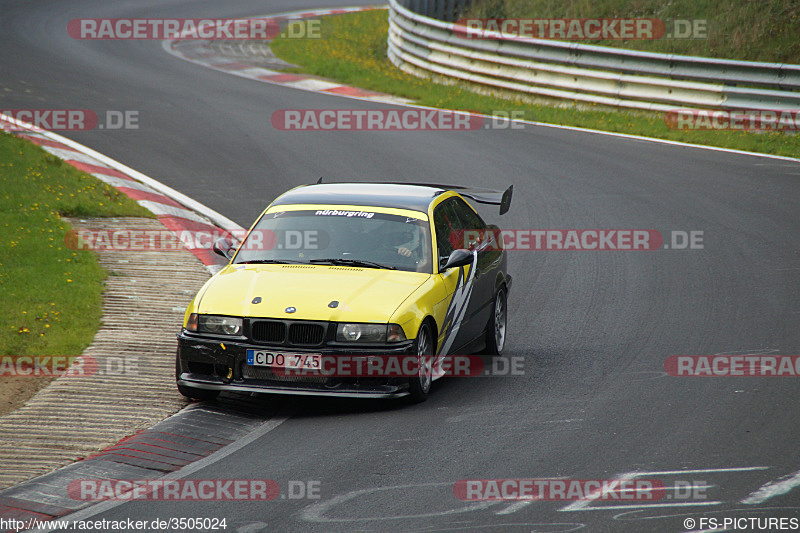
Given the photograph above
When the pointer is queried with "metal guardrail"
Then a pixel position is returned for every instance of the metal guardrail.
(422, 42)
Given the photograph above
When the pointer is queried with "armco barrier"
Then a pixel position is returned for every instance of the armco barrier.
(423, 43)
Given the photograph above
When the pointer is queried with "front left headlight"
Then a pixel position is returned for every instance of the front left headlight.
(370, 333)
(217, 325)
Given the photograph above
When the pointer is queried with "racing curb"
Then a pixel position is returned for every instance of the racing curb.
(174, 210)
(190, 435)
(64, 415)
(197, 51)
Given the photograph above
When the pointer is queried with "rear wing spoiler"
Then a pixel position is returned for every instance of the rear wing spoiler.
(487, 196)
(477, 194)
(480, 195)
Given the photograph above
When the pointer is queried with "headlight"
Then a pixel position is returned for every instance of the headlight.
(376, 333)
(219, 325)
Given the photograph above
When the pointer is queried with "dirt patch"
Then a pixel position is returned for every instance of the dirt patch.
(16, 390)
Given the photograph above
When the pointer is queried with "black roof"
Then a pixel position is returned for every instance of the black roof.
(414, 197)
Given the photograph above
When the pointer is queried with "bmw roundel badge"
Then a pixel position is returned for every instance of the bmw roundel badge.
(290, 309)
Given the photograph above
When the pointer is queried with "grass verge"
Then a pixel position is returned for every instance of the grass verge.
(51, 295)
(352, 50)
(764, 30)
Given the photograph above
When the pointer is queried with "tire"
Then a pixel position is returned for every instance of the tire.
(498, 325)
(420, 385)
(191, 392)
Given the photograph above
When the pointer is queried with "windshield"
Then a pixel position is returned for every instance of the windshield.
(339, 237)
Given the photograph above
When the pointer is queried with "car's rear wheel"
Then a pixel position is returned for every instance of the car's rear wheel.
(420, 385)
(191, 392)
(496, 332)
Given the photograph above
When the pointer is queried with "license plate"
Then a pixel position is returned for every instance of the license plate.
(311, 361)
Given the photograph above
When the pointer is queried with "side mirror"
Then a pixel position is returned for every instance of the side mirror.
(458, 258)
(225, 246)
(505, 201)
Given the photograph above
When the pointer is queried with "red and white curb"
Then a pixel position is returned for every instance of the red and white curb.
(194, 52)
(176, 211)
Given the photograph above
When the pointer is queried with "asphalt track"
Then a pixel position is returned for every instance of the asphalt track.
(594, 328)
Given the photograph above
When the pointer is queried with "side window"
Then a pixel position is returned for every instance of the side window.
(468, 218)
(468, 221)
(451, 219)
(446, 225)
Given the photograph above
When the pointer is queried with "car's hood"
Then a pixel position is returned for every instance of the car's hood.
(361, 295)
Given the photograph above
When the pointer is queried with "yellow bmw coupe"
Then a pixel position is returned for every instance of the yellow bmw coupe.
(348, 270)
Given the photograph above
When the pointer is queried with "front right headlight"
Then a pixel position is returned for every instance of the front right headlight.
(370, 333)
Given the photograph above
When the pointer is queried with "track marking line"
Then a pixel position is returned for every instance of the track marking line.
(771, 489)
(585, 505)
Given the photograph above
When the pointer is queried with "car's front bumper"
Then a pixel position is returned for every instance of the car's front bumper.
(221, 365)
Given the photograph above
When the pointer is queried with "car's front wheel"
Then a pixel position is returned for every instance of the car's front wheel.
(420, 385)
(191, 392)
